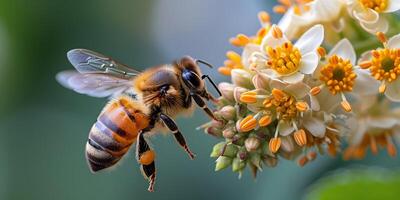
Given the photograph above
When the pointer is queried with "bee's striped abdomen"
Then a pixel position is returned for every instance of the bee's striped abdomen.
(114, 132)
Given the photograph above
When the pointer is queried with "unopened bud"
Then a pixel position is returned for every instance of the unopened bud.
(270, 161)
(241, 78)
(227, 90)
(237, 93)
(230, 150)
(228, 133)
(222, 162)
(260, 82)
(251, 144)
(217, 149)
(228, 112)
(238, 165)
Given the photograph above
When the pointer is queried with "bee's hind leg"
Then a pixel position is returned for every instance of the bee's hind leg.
(170, 123)
(145, 156)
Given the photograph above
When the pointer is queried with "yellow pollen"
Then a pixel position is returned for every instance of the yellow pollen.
(248, 123)
(285, 59)
(265, 121)
(277, 32)
(275, 144)
(385, 64)
(300, 137)
(338, 75)
(377, 5)
(299, 6)
(264, 17)
(381, 37)
(284, 104)
(321, 52)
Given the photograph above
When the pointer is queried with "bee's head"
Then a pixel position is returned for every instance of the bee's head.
(192, 76)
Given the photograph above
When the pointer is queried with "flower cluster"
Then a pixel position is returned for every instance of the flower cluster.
(290, 98)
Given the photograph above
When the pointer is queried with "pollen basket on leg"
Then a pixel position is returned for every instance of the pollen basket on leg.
(284, 59)
(338, 75)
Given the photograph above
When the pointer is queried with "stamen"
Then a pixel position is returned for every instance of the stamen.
(248, 123)
(284, 59)
(225, 71)
(277, 32)
(345, 104)
(248, 97)
(235, 57)
(315, 90)
(321, 52)
(264, 17)
(377, 5)
(275, 144)
(265, 121)
(381, 37)
(338, 75)
(302, 106)
(373, 145)
(300, 137)
(382, 87)
(279, 9)
(302, 161)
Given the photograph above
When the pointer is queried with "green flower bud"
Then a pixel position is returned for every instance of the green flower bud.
(230, 150)
(222, 162)
(238, 165)
(255, 159)
(213, 131)
(238, 140)
(217, 149)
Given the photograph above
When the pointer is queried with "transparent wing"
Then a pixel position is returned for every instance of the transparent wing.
(95, 85)
(87, 61)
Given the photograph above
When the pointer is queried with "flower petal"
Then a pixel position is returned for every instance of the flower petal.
(366, 15)
(294, 78)
(345, 50)
(382, 122)
(365, 84)
(366, 56)
(270, 41)
(311, 39)
(394, 42)
(316, 126)
(309, 63)
(298, 90)
(314, 103)
(393, 6)
(393, 91)
(358, 128)
(285, 128)
(382, 25)
(248, 52)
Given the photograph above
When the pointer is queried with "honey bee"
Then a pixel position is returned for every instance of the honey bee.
(141, 103)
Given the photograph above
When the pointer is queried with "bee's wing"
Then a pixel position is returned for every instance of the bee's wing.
(87, 62)
(95, 85)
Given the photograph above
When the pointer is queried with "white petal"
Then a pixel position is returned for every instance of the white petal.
(277, 84)
(298, 90)
(309, 63)
(345, 50)
(393, 91)
(393, 6)
(366, 56)
(316, 126)
(382, 122)
(365, 84)
(311, 39)
(366, 15)
(270, 41)
(314, 103)
(327, 101)
(294, 78)
(289, 25)
(270, 73)
(285, 128)
(358, 129)
(248, 52)
(394, 42)
(381, 25)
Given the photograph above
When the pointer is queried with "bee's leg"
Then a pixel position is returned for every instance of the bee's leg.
(200, 102)
(177, 134)
(145, 156)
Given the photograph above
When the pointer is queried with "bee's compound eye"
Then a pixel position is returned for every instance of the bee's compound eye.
(191, 79)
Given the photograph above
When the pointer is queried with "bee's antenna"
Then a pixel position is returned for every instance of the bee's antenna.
(212, 82)
(204, 63)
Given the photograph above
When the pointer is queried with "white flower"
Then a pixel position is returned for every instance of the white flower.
(374, 122)
(384, 65)
(369, 13)
(279, 59)
(303, 15)
(340, 75)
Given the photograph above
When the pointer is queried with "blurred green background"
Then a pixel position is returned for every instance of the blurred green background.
(44, 127)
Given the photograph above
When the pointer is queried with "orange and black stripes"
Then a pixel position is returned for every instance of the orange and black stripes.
(114, 132)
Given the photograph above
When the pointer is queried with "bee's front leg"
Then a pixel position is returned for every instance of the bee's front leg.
(170, 123)
(200, 102)
(145, 156)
